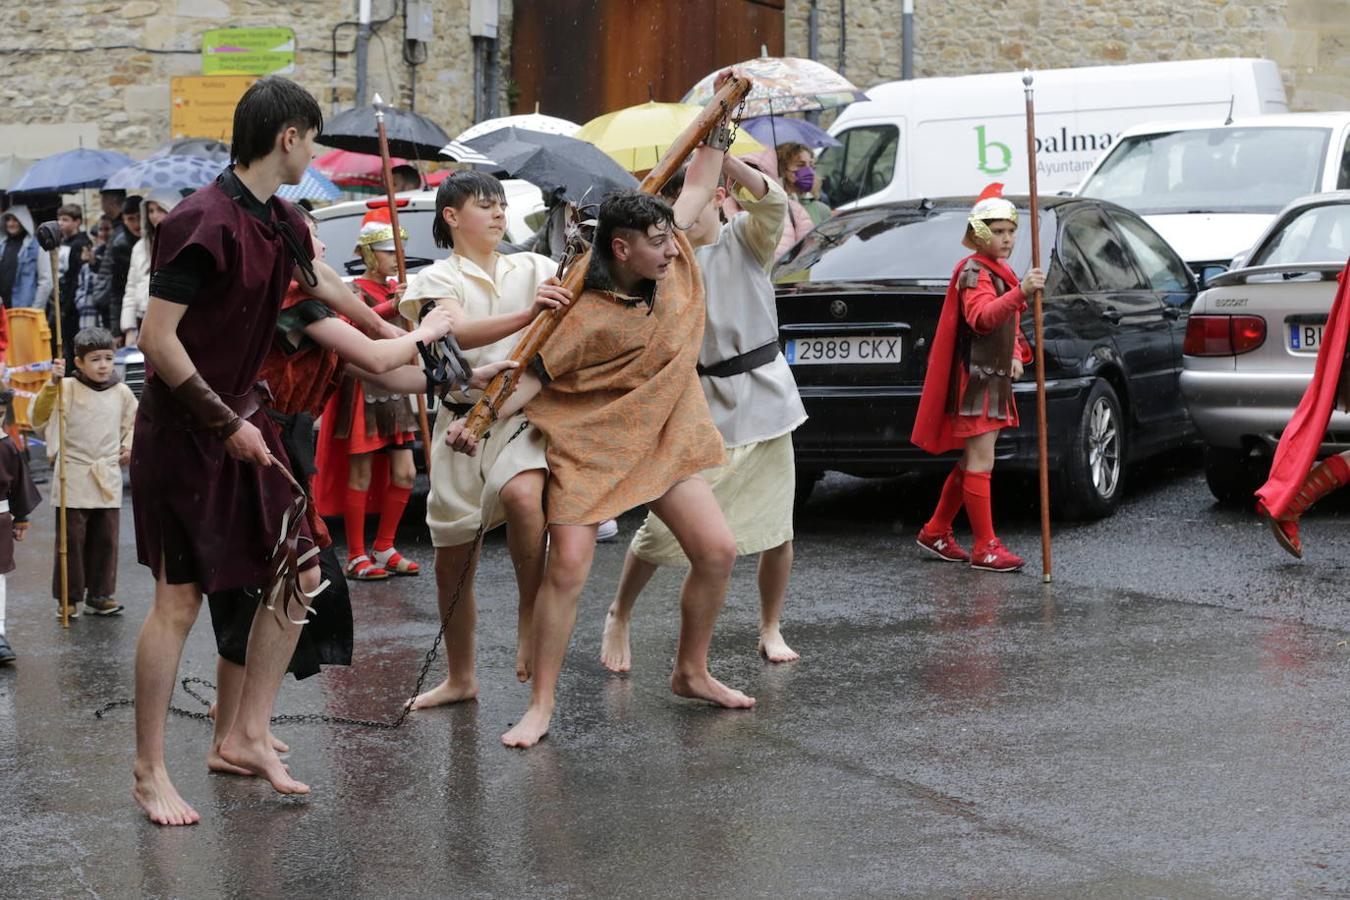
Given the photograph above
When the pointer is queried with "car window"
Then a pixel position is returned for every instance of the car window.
(1318, 234)
(1343, 179)
(1102, 252)
(879, 243)
(1160, 266)
(862, 164)
(1221, 169)
(1071, 259)
(340, 233)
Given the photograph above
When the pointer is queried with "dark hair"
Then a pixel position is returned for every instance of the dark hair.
(454, 192)
(71, 209)
(87, 340)
(629, 211)
(131, 205)
(407, 172)
(269, 107)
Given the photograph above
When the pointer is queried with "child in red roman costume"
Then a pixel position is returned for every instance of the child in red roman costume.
(18, 498)
(362, 423)
(978, 352)
(1295, 484)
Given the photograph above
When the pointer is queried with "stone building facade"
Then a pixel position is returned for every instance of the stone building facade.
(1309, 39)
(101, 70)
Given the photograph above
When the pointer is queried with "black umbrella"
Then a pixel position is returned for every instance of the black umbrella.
(552, 162)
(410, 135)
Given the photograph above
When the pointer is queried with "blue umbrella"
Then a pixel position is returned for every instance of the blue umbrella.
(70, 171)
(774, 130)
(314, 186)
(174, 173)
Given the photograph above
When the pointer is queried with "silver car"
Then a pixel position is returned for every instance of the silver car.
(1252, 340)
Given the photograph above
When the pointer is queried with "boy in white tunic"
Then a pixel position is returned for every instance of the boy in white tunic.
(754, 402)
(100, 416)
(493, 297)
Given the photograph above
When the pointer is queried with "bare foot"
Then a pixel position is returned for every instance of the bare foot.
(522, 662)
(216, 763)
(445, 693)
(773, 648)
(530, 730)
(614, 651)
(259, 758)
(159, 798)
(277, 744)
(703, 686)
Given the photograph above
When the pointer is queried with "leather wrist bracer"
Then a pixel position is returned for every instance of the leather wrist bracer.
(205, 405)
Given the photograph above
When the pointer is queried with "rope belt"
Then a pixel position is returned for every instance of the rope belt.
(737, 365)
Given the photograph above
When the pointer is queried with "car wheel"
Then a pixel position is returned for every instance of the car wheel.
(806, 483)
(1094, 477)
(1234, 475)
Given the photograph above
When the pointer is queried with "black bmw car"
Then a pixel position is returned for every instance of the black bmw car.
(858, 304)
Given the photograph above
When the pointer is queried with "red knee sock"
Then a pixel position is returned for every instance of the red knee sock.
(354, 518)
(395, 501)
(949, 504)
(977, 493)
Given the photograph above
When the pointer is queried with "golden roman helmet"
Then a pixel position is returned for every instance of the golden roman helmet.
(989, 207)
(376, 234)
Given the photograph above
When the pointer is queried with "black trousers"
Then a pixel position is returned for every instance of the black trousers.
(91, 553)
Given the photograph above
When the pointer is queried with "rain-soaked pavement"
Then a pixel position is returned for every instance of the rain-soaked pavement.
(1166, 719)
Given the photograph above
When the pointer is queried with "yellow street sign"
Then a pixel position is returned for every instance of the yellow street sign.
(203, 105)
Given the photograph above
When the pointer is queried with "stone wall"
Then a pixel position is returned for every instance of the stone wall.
(109, 64)
(1309, 39)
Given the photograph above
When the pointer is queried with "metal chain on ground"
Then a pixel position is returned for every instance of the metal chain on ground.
(321, 718)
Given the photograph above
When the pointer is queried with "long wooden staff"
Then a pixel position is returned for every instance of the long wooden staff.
(1038, 320)
(49, 239)
(422, 424)
(484, 412)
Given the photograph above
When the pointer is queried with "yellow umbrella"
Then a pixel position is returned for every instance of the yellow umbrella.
(636, 137)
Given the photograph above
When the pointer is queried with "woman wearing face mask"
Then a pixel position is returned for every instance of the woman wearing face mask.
(798, 170)
(792, 159)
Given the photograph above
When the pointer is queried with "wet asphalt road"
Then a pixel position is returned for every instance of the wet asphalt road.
(1166, 719)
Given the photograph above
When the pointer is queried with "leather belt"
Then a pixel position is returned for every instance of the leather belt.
(753, 359)
(158, 405)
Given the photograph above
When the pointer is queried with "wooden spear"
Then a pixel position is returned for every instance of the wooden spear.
(49, 239)
(484, 412)
(1038, 320)
(422, 424)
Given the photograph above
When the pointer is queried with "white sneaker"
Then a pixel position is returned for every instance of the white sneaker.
(608, 531)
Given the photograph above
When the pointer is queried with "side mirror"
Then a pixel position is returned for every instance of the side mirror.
(1204, 274)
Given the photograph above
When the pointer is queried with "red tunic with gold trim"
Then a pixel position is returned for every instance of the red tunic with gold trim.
(979, 310)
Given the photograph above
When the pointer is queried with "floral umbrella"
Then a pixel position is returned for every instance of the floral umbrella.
(784, 84)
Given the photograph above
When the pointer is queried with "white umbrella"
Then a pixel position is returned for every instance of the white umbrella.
(528, 121)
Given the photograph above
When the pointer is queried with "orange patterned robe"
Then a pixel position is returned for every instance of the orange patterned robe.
(622, 407)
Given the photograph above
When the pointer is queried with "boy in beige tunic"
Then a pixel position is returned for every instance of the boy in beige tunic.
(493, 297)
(618, 399)
(100, 417)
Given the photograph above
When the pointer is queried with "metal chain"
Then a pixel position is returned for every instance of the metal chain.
(320, 718)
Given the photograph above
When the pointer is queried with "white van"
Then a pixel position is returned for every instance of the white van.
(1211, 188)
(936, 137)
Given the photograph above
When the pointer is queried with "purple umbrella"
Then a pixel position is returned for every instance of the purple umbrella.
(774, 130)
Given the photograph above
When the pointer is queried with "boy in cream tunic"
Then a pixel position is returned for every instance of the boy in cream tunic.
(493, 297)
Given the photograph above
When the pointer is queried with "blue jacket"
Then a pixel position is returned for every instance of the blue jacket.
(33, 281)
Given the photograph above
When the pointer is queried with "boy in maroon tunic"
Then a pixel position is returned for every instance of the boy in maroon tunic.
(208, 504)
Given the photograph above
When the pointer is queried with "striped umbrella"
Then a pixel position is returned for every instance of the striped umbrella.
(314, 186)
(463, 153)
(175, 173)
